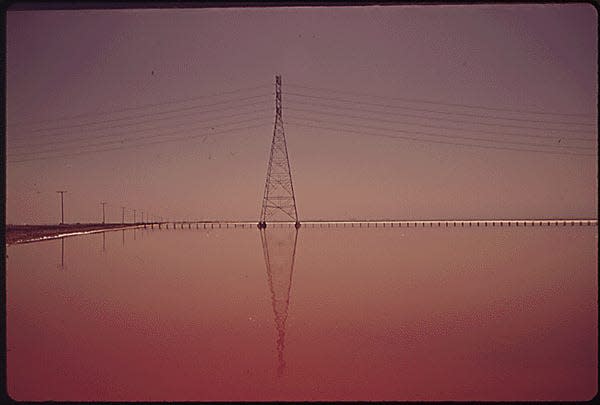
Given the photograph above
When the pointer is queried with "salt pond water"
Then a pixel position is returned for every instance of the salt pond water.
(318, 314)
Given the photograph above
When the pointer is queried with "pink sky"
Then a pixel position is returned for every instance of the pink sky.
(62, 63)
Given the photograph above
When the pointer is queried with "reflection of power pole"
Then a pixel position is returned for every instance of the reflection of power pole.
(62, 253)
(122, 215)
(103, 241)
(62, 211)
(103, 216)
(123, 237)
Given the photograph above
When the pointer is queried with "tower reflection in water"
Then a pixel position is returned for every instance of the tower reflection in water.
(279, 249)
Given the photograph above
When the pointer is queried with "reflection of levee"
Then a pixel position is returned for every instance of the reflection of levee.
(279, 249)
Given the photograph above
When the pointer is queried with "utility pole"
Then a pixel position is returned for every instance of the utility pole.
(122, 215)
(103, 216)
(142, 217)
(134, 216)
(62, 211)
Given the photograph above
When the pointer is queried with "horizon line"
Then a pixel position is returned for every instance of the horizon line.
(223, 221)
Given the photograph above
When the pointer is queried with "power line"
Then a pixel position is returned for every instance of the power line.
(323, 112)
(149, 114)
(137, 107)
(438, 112)
(69, 148)
(141, 145)
(480, 123)
(416, 100)
(131, 124)
(444, 142)
(256, 126)
(449, 136)
(115, 134)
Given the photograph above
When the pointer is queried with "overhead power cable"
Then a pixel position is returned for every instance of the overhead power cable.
(178, 101)
(487, 124)
(377, 119)
(140, 145)
(415, 139)
(439, 112)
(417, 100)
(122, 141)
(85, 136)
(448, 136)
(152, 114)
(130, 124)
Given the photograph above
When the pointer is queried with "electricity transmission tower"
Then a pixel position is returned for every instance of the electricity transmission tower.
(279, 202)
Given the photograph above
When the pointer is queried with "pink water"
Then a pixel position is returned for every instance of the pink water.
(363, 314)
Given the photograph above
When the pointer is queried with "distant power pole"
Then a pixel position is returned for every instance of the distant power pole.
(62, 210)
(134, 216)
(142, 217)
(122, 215)
(103, 216)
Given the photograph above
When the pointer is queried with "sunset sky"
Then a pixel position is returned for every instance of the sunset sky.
(403, 112)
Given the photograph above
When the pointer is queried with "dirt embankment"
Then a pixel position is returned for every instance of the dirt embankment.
(24, 233)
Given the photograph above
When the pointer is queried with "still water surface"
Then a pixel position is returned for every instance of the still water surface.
(318, 314)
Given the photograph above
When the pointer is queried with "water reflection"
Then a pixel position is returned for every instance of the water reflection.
(62, 253)
(141, 322)
(279, 249)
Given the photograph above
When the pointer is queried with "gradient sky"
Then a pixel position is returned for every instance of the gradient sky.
(62, 63)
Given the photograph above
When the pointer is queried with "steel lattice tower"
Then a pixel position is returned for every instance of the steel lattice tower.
(279, 202)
